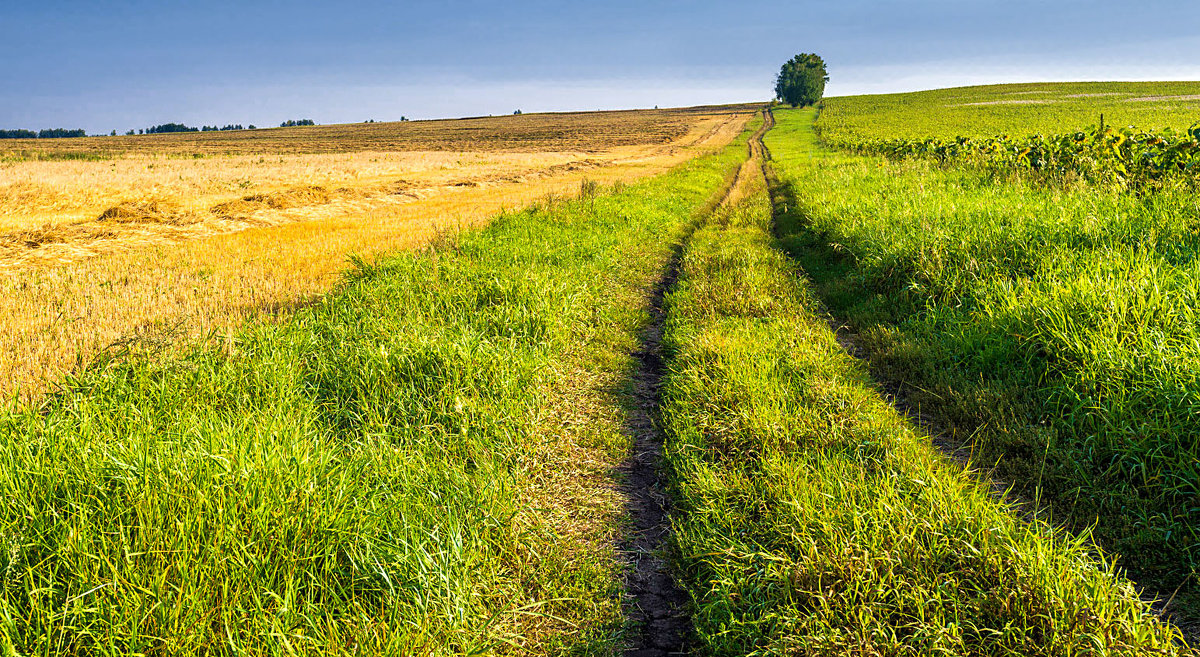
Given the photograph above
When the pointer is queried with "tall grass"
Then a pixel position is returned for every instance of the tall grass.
(1054, 330)
(814, 520)
(362, 479)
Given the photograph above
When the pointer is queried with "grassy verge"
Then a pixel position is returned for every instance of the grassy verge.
(814, 520)
(1052, 330)
(386, 473)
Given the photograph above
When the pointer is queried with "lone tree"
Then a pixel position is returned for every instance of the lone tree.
(801, 80)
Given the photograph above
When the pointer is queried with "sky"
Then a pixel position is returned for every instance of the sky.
(121, 64)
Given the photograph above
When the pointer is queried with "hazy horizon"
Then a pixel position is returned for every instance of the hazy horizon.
(132, 64)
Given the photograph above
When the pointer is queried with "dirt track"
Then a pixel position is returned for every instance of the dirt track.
(658, 606)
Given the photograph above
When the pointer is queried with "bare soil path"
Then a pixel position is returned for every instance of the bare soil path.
(657, 607)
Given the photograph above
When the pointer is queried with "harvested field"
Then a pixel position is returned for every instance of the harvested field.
(139, 252)
(566, 131)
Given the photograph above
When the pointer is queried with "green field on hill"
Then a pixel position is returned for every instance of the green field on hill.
(1013, 109)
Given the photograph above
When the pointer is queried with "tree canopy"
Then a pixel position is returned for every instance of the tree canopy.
(801, 80)
(170, 127)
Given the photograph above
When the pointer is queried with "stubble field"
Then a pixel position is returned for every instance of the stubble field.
(111, 244)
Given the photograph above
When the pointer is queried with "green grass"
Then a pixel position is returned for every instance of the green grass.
(814, 520)
(1011, 109)
(385, 473)
(1052, 330)
(423, 462)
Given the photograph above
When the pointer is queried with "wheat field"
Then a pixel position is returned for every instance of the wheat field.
(151, 241)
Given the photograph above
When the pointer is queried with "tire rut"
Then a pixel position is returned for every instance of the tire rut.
(657, 607)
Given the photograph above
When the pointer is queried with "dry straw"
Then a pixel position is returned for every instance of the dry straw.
(125, 251)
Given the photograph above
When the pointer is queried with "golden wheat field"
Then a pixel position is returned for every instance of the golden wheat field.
(139, 242)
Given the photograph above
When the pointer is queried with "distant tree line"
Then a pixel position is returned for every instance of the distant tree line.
(179, 127)
(51, 133)
(163, 128)
(169, 127)
(58, 133)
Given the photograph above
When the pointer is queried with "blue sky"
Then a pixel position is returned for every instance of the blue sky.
(131, 63)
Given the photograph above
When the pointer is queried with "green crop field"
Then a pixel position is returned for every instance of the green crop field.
(1014, 109)
(1131, 135)
(862, 383)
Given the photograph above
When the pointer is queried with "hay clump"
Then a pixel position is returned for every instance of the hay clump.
(294, 197)
(150, 211)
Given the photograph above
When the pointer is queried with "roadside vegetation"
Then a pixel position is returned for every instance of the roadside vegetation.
(1050, 331)
(816, 520)
(406, 467)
